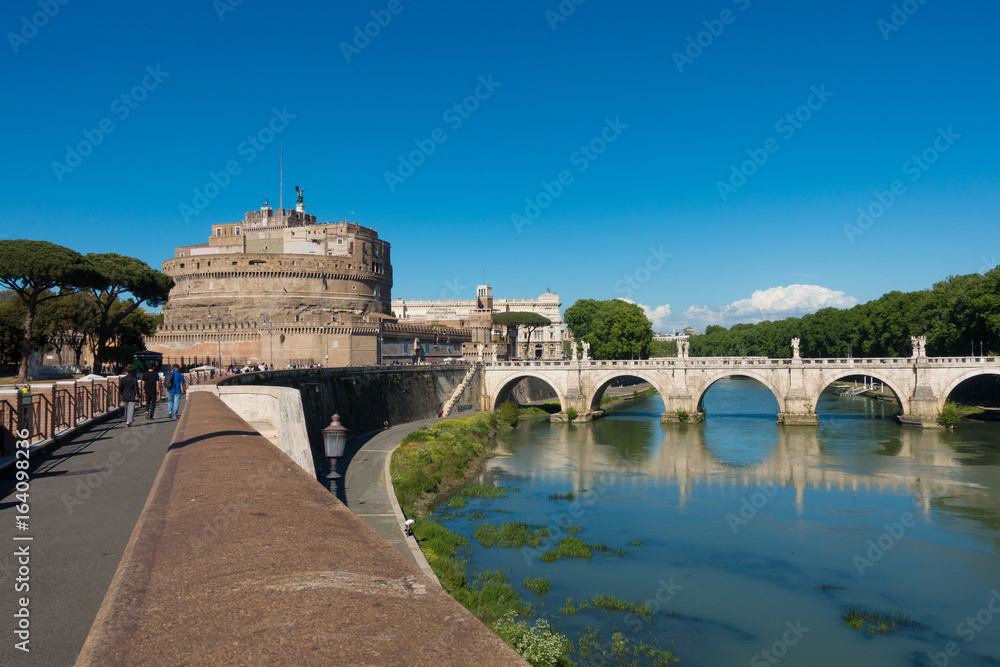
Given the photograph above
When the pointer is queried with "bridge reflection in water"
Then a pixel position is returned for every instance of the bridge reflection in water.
(750, 450)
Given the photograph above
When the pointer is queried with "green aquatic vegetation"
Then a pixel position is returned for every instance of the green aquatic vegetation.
(826, 588)
(568, 547)
(569, 609)
(620, 650)
(537, 585)
(611, 604)
(572, 530)
(636, 543)
(562, 496)
(477, 515)
(487, 491)
(513, 534)
(874, 621)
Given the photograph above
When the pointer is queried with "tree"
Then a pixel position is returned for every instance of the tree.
(67, 322)
(123, 275)
(32, 269)
(615, 329)
(515, 319)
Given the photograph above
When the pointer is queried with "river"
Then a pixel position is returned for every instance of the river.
(753, 537)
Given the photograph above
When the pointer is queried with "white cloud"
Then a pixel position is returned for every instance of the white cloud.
(656, 315)
(774, 303)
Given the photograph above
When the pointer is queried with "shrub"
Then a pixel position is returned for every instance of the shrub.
(507, 414)
(539, 645)
(572, 413)
(682, 415)
(948, 414)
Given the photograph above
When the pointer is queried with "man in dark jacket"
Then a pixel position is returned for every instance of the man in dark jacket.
(128, 386)
(150, 387)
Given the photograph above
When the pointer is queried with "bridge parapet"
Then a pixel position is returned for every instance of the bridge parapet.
(921, 384)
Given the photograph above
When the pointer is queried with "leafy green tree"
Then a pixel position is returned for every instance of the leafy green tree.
(516, 319)
(615, 329)
(123, 275)
(33, 269)
(66, 322)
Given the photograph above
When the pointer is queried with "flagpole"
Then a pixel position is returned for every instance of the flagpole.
(281, 178)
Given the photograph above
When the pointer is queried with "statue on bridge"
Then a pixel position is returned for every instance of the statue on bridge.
(919, 344)
(683, 348)
(586, 351)
(795, 348)
(480, 348)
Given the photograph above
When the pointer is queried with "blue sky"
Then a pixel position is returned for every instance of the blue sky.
(705, 159)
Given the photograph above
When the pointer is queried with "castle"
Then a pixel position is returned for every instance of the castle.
(279, 288)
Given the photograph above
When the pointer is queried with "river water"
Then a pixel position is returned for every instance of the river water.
(754, 537)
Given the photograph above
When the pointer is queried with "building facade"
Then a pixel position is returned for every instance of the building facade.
(282, 289)
(476, 315)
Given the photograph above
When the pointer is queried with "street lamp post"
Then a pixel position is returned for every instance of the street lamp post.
(334, 441)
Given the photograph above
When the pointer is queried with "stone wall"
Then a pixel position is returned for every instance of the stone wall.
(363, 397)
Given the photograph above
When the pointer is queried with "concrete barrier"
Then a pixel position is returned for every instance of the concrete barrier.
(240, 557)
(278, 407)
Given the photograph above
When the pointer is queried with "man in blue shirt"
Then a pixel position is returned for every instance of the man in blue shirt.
(178, 386)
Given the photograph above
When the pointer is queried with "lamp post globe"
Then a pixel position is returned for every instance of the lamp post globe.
(334, 442)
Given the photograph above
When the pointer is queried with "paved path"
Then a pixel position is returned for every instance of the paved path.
(84, 500)
(365, 491)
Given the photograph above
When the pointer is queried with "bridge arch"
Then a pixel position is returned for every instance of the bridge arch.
(601, 383)
(901, 396)
(705, 384)
(506, 386)
(967, 375)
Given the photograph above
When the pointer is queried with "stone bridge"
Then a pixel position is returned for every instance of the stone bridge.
(920, 383)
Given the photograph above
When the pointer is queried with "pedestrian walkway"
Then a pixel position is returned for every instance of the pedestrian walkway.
(83, 501)
(365, 490)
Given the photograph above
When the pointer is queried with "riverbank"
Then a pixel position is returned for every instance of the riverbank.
(434, 471)
(966, 411)
(437, 463)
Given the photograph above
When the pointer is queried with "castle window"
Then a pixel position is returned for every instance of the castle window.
(182, 265)
(218, 231)
(237, 231)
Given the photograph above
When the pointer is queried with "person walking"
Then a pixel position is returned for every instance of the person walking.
(175, 387)
(128, 387)
(150, 382)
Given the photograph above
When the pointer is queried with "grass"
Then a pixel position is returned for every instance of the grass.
(512, 535)
(490, 597)
(537, 585)
(433, 461)
(875, 622)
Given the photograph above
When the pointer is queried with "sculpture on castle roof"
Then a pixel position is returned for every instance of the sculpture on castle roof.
(300, 194)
